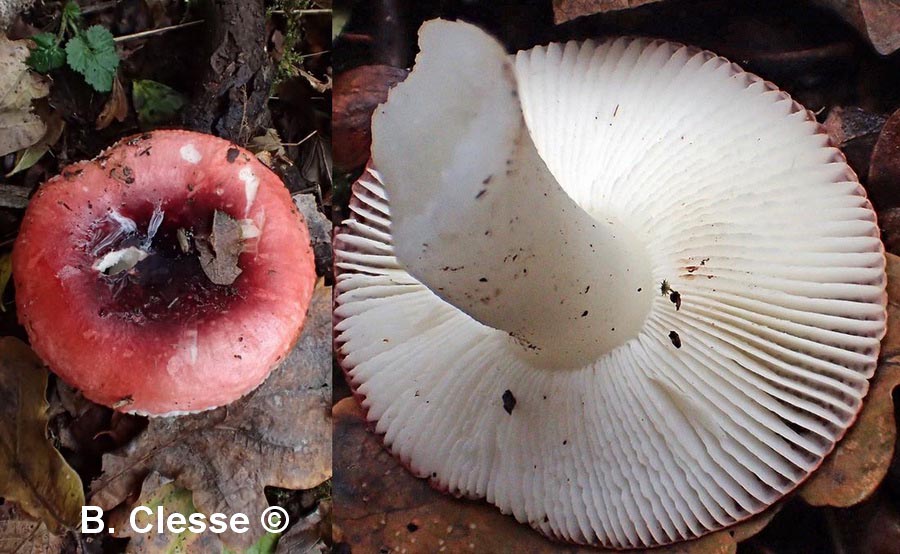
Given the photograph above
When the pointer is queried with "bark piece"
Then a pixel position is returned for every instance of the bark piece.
(231, 96)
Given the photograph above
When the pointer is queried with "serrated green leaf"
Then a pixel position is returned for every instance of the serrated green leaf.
(46, 55)
(156, 103)
(93, 54)
(71, 11)
(71, 18)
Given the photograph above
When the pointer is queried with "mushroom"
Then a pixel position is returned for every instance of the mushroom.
(623, 290)
(168, 275)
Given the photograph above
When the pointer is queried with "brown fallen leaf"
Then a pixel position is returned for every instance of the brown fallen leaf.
(889, 222)
(32, 472)
(19, 127)
(565, 10)
(219, 252)
(380, 507)
(884, 167)
(18, 130)
(306, 535)
(55, 125)
(278, 435)
(270, 142)
(5, 274)
(854, 131)
(877, 20)
(156, 492)
(319, 86)
(116, 107)
(356, 93)
(21, 534)
(860, 461)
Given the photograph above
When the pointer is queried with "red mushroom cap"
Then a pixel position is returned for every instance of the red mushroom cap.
(161, 337)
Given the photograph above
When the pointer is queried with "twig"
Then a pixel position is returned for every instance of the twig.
(161, 30)
(304, 139)
(302, 12)
(99, 7)
(314, 54)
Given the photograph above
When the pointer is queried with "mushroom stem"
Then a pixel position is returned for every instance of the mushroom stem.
(479, 219)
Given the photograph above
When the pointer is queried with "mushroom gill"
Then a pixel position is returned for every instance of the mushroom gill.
(702, 306)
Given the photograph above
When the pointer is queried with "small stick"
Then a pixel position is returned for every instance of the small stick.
(301, 12)
(99, 7)
(161, 30)
(304, 139)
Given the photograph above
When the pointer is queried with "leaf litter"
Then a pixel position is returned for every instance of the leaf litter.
(278, 435)
(20, 127)
(32, 472)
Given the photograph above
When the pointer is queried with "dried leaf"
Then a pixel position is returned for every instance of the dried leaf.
(319, 231)
(315, 161)
(884, 167)
(319, 86)
(861, 460)
(18, 85)
(380, 507)
(19, 128)
(356, 94)
(23, 535)
(5, 274)
(889, 223)
(156, 492)
(854, 131)
(306, 536)
(116, 107)
(278, 435)
(31, 155)
(877, 20)
(32, 472)
(269, 142)
(565, 10)
(220, 252)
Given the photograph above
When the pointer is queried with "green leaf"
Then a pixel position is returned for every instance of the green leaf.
(71, 18)
(93, 54)
(46, 55)
(156, 103)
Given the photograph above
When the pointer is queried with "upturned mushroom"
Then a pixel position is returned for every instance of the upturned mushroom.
(623, 290)
(169, 275)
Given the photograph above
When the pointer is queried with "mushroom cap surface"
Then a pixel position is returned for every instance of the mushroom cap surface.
(736, 387)
(180, 344)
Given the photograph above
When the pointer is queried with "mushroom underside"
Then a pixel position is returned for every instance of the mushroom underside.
(764, 288)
